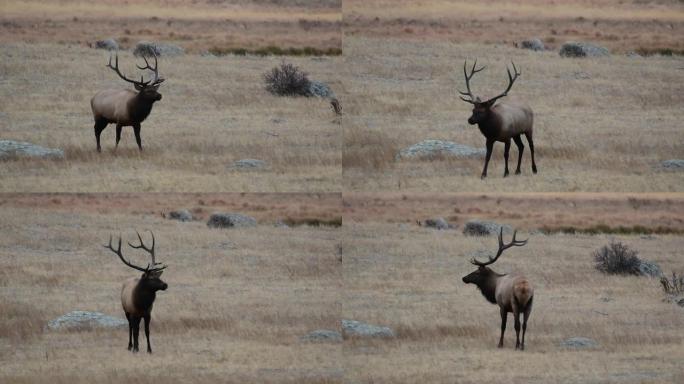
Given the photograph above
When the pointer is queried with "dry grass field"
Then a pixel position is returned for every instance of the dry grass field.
(621, 25)
(238, 300)
(601, 125)
(197, 26)
(409, 278)
(214, 111)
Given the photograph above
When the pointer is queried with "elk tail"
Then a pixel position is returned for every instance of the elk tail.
(522, 293)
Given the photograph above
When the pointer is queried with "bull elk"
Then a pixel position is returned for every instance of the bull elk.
(125, 107)
(511, 293)
(501, 122)
(138, 293)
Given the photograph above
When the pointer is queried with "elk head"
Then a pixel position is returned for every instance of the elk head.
(146, 89)
(481, 109)
(150, 279)
(483, 275)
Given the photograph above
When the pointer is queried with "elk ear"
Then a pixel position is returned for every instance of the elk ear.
(138, 87)
(488, 104)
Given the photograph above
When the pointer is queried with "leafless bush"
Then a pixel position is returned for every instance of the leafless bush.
(617, 258)
(673, 286)
(287, 80)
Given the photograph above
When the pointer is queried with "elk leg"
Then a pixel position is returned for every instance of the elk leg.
(490, 146)
(504, 318)
(100, 125)
(526, 315)
(130, 332)
(521, 148)
(531, 143)
(118, 135)
(136, 332)
(507, 149)
(147, 333)
(136, 130)
(516, 317)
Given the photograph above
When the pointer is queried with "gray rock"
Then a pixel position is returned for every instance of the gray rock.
(676, 164)
(432, 148)
(86, 320)
(533, 44)
(316, 88)
(579, 343)
(149, 48)
(650, 269)
(108, 44)
(581, 49)
(438, 223)
(249, 164)
(180, 215)
(353, 328)
(484, 228)
(323, 335)
(11, 149)
(230, 220)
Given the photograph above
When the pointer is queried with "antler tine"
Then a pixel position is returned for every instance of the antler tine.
(473, 71)
(502, 247)
(156, 79)
(150, 250)
(118, 252)
(118, 72)
(511, 80)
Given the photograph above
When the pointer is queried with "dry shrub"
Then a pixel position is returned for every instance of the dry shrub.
(673, 286)
(287, 80)
(617, 259)
(364, 148)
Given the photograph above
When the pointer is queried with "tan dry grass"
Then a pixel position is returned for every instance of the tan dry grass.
(237, 303)
(409, 278)
(214, 111)
(600, 125)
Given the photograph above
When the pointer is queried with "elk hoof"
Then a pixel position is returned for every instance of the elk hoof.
(130, 347)
(534, 169)
(484, 175)
(517, 171)
(505, 174)
(522, 347)
(500, 345)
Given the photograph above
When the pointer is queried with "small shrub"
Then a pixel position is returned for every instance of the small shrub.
(673, 286)
(287, 80)
(617, 258)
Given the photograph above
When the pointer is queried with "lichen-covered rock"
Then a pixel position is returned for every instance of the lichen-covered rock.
(433, 148)
(230, 220)
(180, 215)
(484, 228)
(533, 44)
(323, 335)
(76, 320)
(579, 343)
(249, 164)
(674, 164)
(353, 328)
(108, 44)
(581, 49)
(316, 88)
(13, 149)
(149, 48)
(647, 268)
(438, 223)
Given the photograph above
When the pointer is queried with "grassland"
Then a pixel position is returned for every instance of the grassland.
(409, 278)
(238, 300)
(214, 111)
(601, 125)
(198, 26)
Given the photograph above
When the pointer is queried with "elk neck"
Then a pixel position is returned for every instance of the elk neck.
(139, 108)
(143, 296)
(491, 125)
(488, 286)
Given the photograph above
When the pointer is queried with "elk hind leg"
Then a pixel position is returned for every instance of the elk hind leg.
(516, 317)
(526, 315)
(507, 149)
(130, 331)
(504, 317)
(521, 148)
(100, 125)
(531, 143)
(147, 333)
(118, 135)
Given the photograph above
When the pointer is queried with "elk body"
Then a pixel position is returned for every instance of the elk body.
(125, 107)
(510, 293)
(501, 121)
(138, 293)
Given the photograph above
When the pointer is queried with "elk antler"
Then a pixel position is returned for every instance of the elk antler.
(473, 71)
(140, 83)
(118, 252)
(511, 80)
(156, 79)
(502, 247)
(149, 250)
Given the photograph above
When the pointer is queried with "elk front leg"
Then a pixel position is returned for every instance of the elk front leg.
(136, 332)
(100, 125)
(118, 135)
(531, 143)
(490, 147)
(130, 332)
(147, 333)
(521, 148)
(136, 130)
(507, 149)
(504, 317)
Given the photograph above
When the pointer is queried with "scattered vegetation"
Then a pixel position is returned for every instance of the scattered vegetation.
(606, 229)
(617, 259)
(276, 51)
(659, 51)
(313, 222)
(287, 80)
(674, 285)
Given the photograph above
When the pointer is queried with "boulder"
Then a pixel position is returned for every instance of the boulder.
(323, 335)
(433, 148)
(579, 343)
(484, 228)
(316, 88)
(12, 149)
(76, 320)
(149, 48)
(353, 328)
(581, 49)
(180, 215)
(249, 164)
(674, 164)
(647, 268)
(533, 44)
(230, 220)
(438, 223)
(108, 44)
